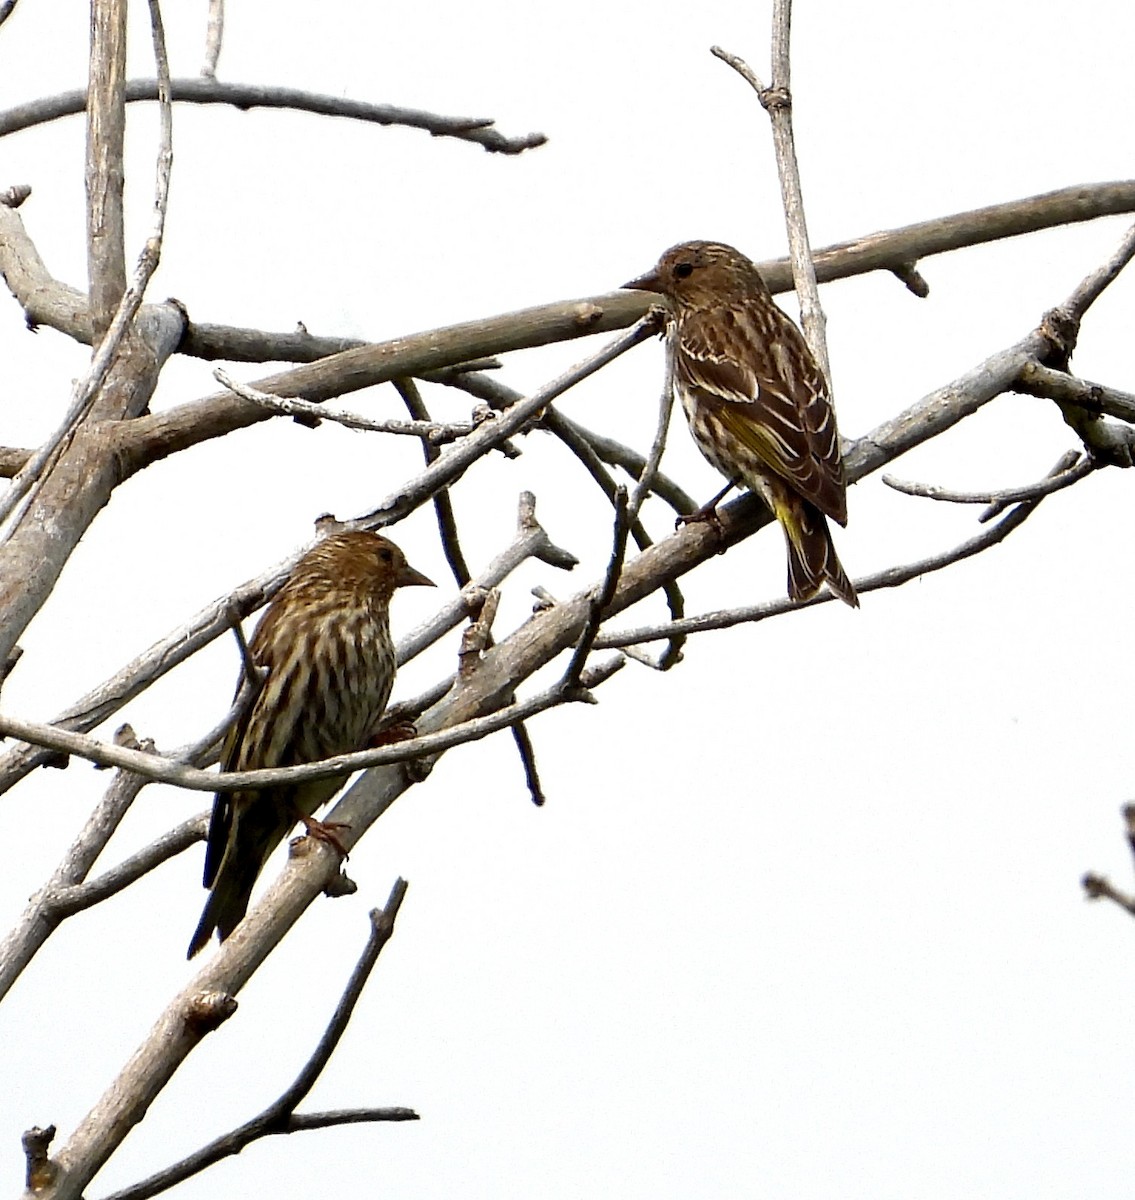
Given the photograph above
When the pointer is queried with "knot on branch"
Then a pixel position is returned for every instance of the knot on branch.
(1060, 329)
(340, 884)
(41, 1171)
(208, 1010)
(585, 315)
(775, 99)
(13, 197)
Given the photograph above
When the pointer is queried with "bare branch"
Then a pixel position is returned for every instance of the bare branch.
(106, 132)
(1129, 823)
(148, 439)
(1074, 468)
(106, 125)
(280, 1116)
(1094, 284)
(649, 472)
(604, 594)
(777, 102)
(587, 445)
(76, 461)
(450, 467)
(431, 432)
(95, 707)
(478, 634)
(930, 416)
(48, 302)
(527, 754)
(214, 36)
(502, 669)
(1037, 380)
(1096, 887)
(245, 96)
(69, 900)
(65, 892)
(582, 443)
(894, 250)
(160, 769)
(891, 577)
(41, 1171)
(443, 506)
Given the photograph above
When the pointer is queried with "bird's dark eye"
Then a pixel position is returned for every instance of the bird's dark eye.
(684, 269)
(386, 555)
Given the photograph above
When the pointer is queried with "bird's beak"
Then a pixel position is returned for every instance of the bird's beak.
(408, 577)
(645, 283)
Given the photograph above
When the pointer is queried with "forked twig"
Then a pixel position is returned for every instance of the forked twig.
(280, 1116)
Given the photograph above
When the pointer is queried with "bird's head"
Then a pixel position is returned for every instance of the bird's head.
(696, 274)
(357, 557)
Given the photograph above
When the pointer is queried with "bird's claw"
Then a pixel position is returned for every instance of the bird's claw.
(324, 831)
(400, 731)
(706, 515)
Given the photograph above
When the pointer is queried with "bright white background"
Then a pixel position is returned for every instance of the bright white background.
(801, 918)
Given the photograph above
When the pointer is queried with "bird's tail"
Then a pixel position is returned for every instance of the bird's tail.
(224, 909)
(812, 560)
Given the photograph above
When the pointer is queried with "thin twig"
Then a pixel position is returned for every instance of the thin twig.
(443, 505)
(1078, 466)
(245, 96)
(610, 451)
(527, 754)
(890, 577)
(531, 541)
(69, 900)
(66, 892)
(87, 389)
(431, 432)
(214, 37)
(451, 545)
(1096, 887)
(1038, 380)
(1093, 285)
(478, 634)
(604, 594)
(450, 467)
(165, 770)
(777, 102)
(1129, 823)
(649, 473)
(582, 443)
(280, 1116)
(604, 449)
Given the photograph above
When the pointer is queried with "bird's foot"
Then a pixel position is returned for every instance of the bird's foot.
(400, 731)
(706, 515)
(325, 831)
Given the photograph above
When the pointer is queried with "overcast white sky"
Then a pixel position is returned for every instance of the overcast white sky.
(801, 918)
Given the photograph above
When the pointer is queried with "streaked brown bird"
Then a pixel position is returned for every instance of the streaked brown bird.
(325, 642)
(757, 403)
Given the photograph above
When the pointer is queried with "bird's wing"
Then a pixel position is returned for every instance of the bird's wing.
(221, 822)
(755, 369)
(244, 747)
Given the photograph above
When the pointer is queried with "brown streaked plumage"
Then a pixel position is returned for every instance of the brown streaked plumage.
(757, 403)
(325, 641)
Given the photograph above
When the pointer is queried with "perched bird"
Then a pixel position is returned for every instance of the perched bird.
(757, 403)
(325, 642)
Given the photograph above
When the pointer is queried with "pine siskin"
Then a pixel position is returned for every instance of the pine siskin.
(756, 402)
(325, 641)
